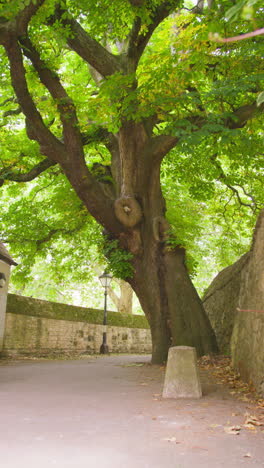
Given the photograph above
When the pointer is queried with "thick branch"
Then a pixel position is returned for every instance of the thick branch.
(20, 23)
(52, 82)
(88, 48)
(5, 174)
(161, 145)
(243, 114)
(36, 129)
(238, 119)
(98, 134)
(138, 42)
(26, 14)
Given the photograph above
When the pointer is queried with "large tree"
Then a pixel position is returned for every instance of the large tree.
(137, 78)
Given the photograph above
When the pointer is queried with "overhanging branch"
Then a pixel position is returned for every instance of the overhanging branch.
(242, 114)
(86, 47)
(6, 174)
(161, 145)
(36, 129)
(224, 179)
(24, 17)
(52, 82)
(137, 41)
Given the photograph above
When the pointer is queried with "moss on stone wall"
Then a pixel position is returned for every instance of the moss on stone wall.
(38, 308)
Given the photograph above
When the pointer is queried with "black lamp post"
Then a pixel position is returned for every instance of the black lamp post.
(105, 279)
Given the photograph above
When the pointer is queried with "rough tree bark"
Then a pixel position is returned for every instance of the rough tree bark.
(133, 209)
(161, 281)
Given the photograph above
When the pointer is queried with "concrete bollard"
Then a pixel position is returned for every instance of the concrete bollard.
(182, 378)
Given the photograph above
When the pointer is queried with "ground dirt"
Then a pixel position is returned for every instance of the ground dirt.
(107, 412)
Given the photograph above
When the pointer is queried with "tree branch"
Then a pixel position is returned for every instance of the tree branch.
(137, 41)
(6, 101)
(223, 178)
(36, 129)
(86, 47)
(12, 112)
(114, 297)
(161, 145)
(20, 23)
(243, 114)
(24, 17)
(5, 174)
(51, 81)
(53, 232)
(236, 192)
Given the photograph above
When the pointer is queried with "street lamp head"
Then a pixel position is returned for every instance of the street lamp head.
(105, 279)
(2, 280)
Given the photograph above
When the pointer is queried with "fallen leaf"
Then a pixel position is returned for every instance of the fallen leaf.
(249, 426)
(170, 439)
(244, 398)
(252, 421)
(234, 430)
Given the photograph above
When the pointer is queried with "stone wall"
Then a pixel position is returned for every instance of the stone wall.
(247, 344)
(221, 301)
(40, 327)
(234, 303)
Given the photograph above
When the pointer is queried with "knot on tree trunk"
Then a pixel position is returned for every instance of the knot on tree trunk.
(128, 211)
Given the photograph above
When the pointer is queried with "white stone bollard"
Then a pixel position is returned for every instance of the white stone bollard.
(182, 379)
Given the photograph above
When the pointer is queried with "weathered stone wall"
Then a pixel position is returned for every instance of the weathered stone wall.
(40, 327)
(235, 305)
(247, 344)
(221, 301)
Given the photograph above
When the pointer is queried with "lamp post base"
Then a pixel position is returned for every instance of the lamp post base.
(104, 349)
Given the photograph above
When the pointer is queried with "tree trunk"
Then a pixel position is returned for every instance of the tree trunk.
(161, 281)
(171, 303)
(135, 215)
(124, 302)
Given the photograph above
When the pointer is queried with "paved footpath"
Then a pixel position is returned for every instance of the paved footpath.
(107, 412)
